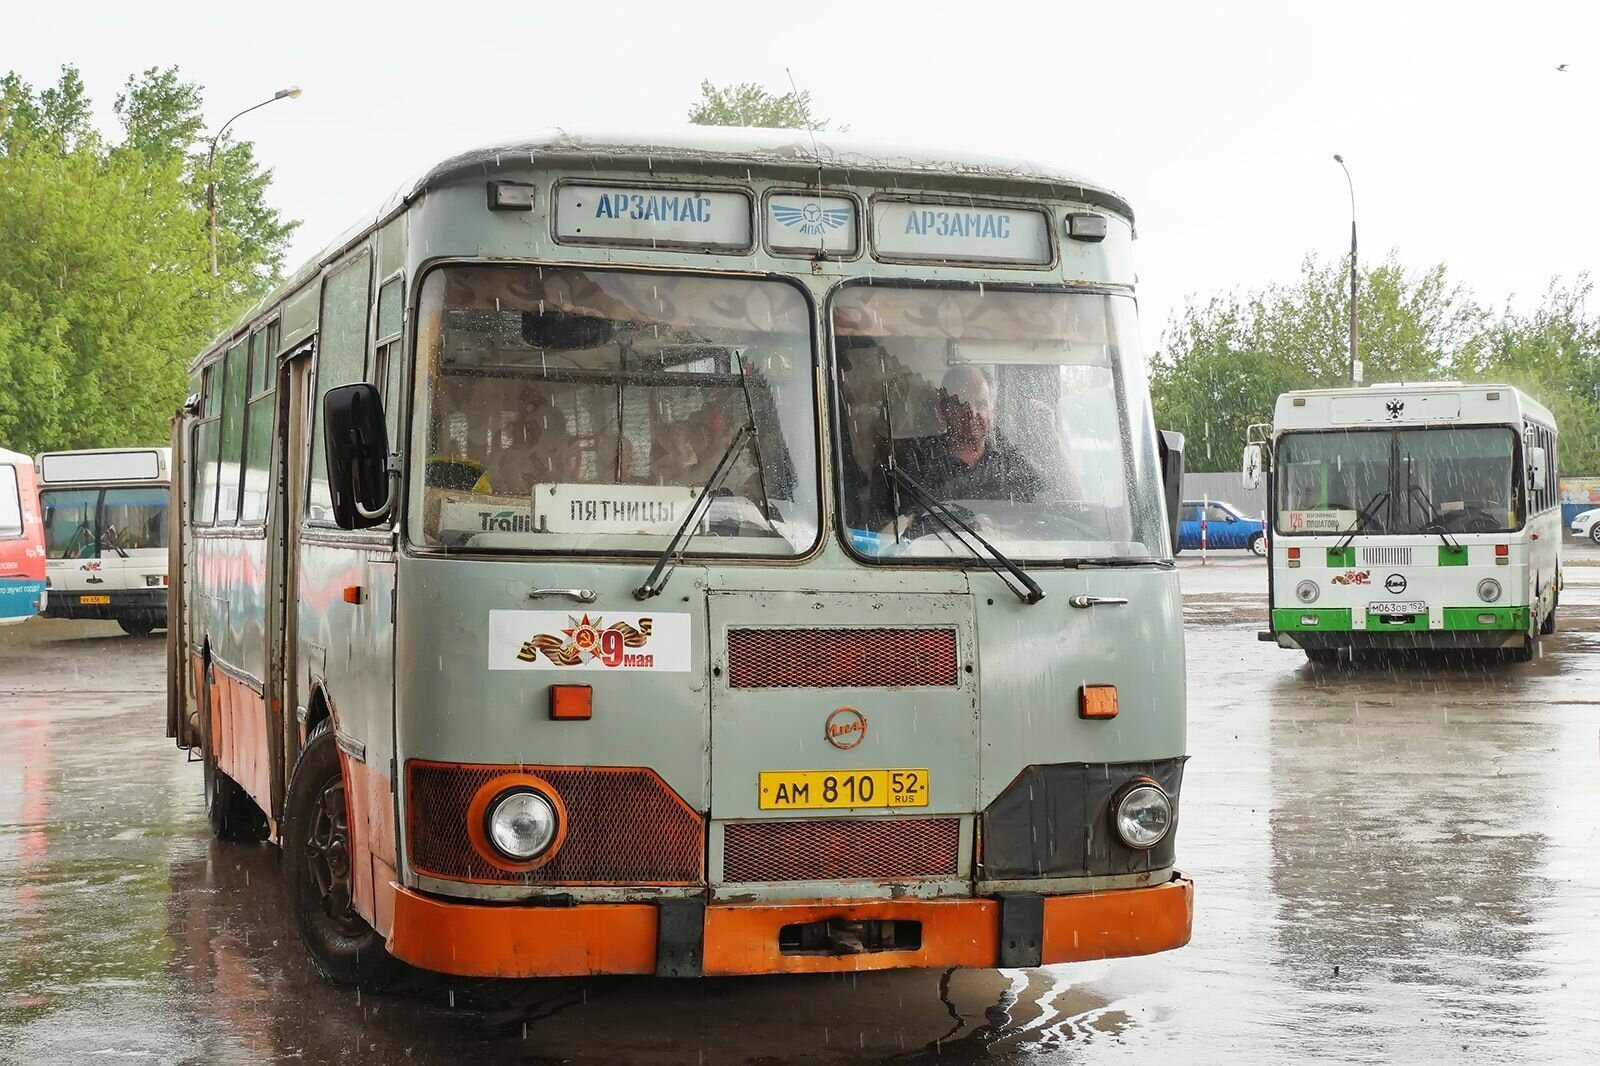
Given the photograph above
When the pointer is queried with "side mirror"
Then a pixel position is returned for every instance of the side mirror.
(1252, 466)
(358, 455)
(1535, 467)
(1170, 442)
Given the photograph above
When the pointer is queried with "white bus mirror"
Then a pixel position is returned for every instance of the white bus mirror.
(1535, 466)
(1252, 466)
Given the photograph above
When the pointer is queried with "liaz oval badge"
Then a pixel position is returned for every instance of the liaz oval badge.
(845, 728)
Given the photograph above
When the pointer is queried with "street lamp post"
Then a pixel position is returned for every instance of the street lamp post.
(1355, 363)
(291, 93)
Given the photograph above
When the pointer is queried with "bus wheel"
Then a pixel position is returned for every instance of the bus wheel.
(1322, 656)
(317, 872)
(136, 626)
(1528, 649)
(1258, 545)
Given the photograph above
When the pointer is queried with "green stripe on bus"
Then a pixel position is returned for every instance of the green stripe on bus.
(1293, 619)
(1452, 556)
(1511, 618)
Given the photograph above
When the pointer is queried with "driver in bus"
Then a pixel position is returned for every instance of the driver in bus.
(971, 460)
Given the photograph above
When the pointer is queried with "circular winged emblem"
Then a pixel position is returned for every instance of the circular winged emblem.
(1395, 583)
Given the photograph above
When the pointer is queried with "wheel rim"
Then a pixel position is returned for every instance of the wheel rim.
(1259, 545)
(328, 859)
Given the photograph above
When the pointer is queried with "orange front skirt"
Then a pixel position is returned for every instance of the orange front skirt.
(482, 940)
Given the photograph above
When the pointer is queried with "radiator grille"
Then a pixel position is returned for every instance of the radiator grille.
(625, 827)
(841, 658)
(838, 849)
(1390, 556)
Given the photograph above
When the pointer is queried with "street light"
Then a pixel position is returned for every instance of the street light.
(292, 92)
(1355, 363)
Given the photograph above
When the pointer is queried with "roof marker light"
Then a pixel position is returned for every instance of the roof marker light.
(510, 196)
(1083, 226)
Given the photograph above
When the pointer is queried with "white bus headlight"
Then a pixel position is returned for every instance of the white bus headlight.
(1488, 590)
(522, 824)
(1307, 592)
(1143, 816)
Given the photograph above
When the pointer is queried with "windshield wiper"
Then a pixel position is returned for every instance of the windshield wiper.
(1363, 516)
(659, 574)
(1435, 523)
(1030, 593)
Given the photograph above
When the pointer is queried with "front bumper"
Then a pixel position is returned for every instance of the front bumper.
(146, 603)
(686, 938)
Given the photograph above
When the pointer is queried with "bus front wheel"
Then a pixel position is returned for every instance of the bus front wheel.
(1322, 656)
(317, 872)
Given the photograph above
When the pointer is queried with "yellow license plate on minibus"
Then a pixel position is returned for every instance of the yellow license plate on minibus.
(803, 790)
(98, 601)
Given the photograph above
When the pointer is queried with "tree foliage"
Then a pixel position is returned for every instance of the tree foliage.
(106, 292)
(748, 104)
(1224, 360)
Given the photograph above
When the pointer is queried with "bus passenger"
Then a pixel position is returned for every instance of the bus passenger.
(542, 451)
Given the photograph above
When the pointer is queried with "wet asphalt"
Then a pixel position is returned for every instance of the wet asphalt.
(1393, 863)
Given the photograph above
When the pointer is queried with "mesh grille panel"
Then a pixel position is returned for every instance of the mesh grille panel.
(1388, 555)
(841, 658)
(624, 827)
(839, 849)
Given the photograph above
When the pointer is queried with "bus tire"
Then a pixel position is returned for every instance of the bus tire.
(1322, 656)
(1258, 545)
(136, 625)
(317, 870)
(1525, 652)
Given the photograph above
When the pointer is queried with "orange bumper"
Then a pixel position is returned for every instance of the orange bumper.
(513, 941)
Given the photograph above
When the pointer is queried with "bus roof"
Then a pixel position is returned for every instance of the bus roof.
(1430, 402)
(836, 156)
(8, 456)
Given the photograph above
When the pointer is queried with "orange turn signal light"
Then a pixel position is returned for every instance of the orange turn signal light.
(1097, 701)
(571, 702)
(1294, 553)
(1502, 549)
(352, 594)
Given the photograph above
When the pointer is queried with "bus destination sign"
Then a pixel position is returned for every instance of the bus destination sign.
(948, 232)
(698, 218)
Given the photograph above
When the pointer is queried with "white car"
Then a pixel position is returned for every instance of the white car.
(1587, 524)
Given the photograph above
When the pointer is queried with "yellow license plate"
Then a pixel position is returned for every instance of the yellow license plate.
(800, 790)
(97, 600)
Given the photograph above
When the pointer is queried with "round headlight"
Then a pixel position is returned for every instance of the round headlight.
(1488, 590)
(1307, 592)
(522, 824)
(1143, 816)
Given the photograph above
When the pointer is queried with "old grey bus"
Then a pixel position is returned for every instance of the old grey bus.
(715, 553)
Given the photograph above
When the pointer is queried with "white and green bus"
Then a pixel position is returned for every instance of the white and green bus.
(1407, 517)
(715, 553)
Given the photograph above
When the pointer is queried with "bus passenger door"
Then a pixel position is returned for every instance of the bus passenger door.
(289, 510)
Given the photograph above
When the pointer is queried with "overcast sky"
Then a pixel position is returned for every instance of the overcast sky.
(1218, 121)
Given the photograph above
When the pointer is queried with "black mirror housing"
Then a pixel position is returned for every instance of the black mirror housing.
(1171, 446)
(357, 451)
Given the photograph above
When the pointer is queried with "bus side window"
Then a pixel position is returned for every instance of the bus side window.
(203, 465)
(388, 374)
(234, 386)
(341, 359)
(259, 411)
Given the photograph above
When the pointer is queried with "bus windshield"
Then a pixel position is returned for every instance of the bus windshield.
(91, 523)
(1406, 481)
(1022, 412)
(585, 410)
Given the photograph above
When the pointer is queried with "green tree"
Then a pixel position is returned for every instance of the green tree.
(1223, 362)
(162, 119)
(106, 292)
(748, 104)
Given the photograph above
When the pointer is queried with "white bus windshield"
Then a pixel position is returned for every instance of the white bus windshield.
(1451, 480)
(1023, 412)
(584, 410)
(93, 523)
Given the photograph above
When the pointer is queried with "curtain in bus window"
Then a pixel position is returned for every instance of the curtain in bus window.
(234, 385)
(70, 530)
(134, 521)
(341, 359)
(10, 503)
